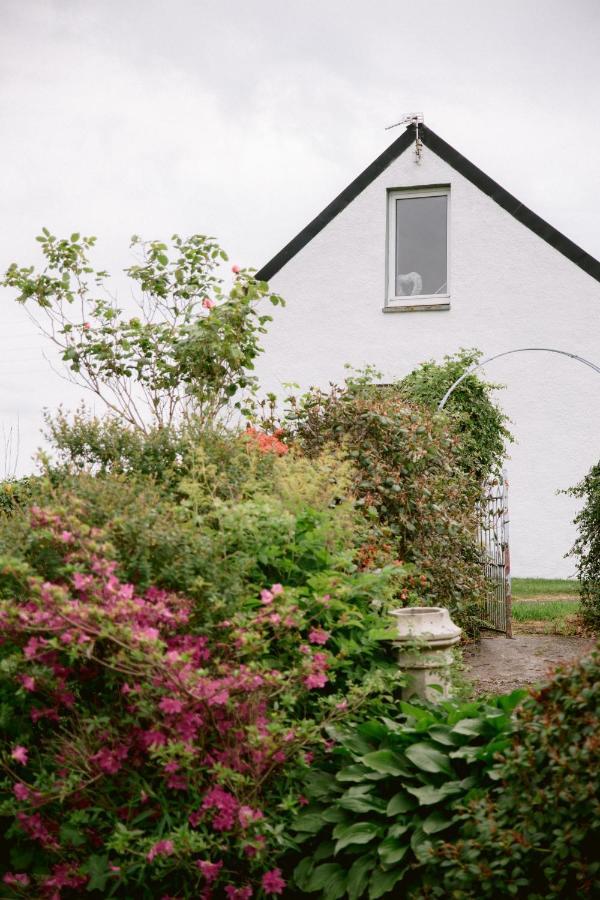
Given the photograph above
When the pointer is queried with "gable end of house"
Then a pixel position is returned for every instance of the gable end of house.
(463, 166)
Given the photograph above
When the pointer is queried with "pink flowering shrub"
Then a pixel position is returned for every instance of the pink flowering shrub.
(147, 753)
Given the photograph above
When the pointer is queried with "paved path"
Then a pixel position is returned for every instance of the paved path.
(499, 665)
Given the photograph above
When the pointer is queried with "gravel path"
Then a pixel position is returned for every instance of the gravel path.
(499, 665)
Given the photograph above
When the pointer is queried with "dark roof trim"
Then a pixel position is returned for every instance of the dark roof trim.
(462, 165)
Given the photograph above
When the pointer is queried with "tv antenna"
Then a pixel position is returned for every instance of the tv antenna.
(416, 119)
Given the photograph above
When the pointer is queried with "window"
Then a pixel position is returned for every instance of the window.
(418, 248)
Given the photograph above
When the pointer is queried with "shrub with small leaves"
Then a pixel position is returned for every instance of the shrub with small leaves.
(536, 836)
(410, 482)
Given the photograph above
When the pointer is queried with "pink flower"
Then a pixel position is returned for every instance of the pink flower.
(316, 680)
(275, 619)
(21, 791)
(168, 705)
(343, 704)
(208, 304)
(319, 636)
(272, 882)
(209, 869)
(66, 537)
(28, 682)
(16, 878)
(276, 589)
(308, 757)
(247, 815)
(161, 848)
(302, 800)
(233, 893)
(304, 648)
(20, 754)
(87, 326)
(236, 270)
(266, 596)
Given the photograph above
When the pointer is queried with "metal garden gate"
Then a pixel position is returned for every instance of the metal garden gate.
(496, 610)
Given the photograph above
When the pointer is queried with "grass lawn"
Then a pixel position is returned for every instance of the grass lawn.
(525, 588)
(544, 610)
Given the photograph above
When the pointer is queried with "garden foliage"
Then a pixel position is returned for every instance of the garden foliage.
(152, 745)
(189, 348)
(536, 835)
(392, 794)
(410, 482)
(475, 415)
(587, 546)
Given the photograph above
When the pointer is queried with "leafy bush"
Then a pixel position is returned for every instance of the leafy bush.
(536, 836)
(190, 348)
(409, 480)
(150, 747)
(476, 417)
(587, 546)
(392, 794)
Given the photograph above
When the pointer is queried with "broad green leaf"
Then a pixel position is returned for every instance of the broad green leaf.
(417, 712)
(429, 759)
(392, 851)
(358, 876)
(398, 829)
(352, 773)
(472, 727)
(441, 734)
(385, 761)
(359, 833)
(436, 821)
(429, 794)
(359, 799)
(309, 822)
(381, 882)
(303, 872)
(335, 887)
(322, 875)
(420, 845)
(400, 803)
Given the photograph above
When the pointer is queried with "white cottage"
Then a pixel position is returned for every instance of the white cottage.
(423, 254)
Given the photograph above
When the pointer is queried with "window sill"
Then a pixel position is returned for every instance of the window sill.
(416, 307)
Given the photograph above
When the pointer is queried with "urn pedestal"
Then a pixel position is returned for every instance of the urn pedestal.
(426, 635)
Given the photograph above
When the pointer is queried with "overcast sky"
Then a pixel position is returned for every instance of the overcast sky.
(243, 118)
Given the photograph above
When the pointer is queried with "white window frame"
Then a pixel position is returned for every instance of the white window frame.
(432, 301)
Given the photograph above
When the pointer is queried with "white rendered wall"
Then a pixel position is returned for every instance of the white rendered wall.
(509, 289)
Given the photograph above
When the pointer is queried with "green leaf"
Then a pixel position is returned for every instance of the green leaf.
(359, 833)
(400, 803)
(381, 882)
(335, 887)
(309, 822)
(441, 734)
(429, 794)
(392, 851)
(428, 758)
(385, 761)
(436, 821)
(471, 727)
(322, 875)
(352, 773)
(97, 868)
(359, 799)
(303, 872)
(358, 876)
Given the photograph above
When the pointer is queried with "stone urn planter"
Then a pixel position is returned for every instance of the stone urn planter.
(426, 635)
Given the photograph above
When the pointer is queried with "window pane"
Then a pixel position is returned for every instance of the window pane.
(421, 234)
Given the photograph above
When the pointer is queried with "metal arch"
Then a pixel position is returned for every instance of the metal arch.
(474, 368)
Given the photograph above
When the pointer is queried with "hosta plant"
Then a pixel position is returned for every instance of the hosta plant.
(392, 793)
